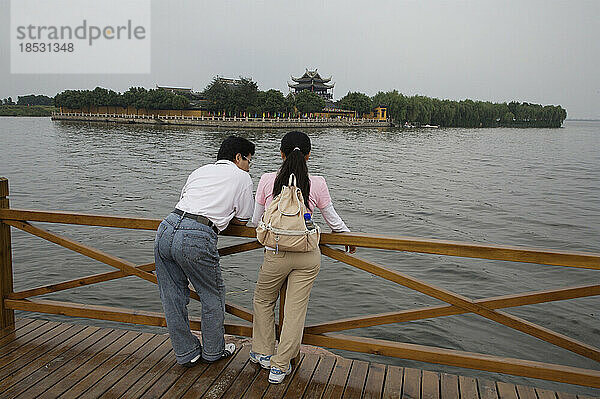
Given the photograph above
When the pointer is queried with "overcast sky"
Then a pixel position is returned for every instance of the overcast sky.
(544, 52)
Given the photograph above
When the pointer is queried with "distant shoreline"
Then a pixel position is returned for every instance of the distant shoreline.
(24, 110)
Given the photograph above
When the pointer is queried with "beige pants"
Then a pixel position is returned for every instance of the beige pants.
(301, 269)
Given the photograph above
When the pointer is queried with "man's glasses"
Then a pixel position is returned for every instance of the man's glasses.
(247, 159)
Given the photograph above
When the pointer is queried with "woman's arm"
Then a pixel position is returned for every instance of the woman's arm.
(323, 202)
(334, 220)
(336, 223)
(258, 212)
(259, 200)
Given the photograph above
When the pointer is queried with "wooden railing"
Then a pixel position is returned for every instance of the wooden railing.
(322, 334)
(315, 120)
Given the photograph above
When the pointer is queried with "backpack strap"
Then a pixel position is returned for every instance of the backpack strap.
(296, 195)
(292, 181)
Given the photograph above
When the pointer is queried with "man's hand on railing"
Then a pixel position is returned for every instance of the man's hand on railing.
(350, 249)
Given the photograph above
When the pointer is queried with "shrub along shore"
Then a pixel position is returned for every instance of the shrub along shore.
(469, 113)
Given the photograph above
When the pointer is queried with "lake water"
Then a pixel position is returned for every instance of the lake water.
(520, 187)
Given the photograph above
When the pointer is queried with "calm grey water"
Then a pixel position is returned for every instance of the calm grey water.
(522, 187)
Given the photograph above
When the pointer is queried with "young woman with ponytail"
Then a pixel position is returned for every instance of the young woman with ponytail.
(299, 268)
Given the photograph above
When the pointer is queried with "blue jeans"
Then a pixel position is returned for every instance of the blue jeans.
(184, 250)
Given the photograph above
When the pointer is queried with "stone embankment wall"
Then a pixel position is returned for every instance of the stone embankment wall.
(223, 122)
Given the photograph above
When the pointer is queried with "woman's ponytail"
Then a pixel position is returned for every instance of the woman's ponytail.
(295, 146)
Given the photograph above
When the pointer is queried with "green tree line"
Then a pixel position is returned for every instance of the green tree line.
(33, 99)
(137, 97)
(30, 99)
(468, 113)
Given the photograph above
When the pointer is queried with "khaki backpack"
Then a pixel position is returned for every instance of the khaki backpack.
(283, 226)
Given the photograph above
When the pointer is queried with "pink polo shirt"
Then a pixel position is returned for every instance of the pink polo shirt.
(319, 193)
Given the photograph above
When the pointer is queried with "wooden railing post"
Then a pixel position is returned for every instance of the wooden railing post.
(7, 317)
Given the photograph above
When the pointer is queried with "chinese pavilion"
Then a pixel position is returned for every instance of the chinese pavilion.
(311, 80)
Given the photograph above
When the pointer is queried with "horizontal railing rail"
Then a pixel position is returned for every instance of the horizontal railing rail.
(398, 243)
(324, 333)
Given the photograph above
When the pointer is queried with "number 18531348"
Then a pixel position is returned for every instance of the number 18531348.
(46, 47)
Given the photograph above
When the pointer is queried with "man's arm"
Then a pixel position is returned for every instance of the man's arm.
(244, 205)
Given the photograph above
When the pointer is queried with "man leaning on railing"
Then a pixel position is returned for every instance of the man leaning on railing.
(185, 250)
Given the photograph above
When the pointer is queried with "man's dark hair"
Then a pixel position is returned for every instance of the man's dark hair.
(234, 145)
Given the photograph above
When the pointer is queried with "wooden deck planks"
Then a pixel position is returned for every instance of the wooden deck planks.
(303, 376)
(468, 388)
(430, 385)
(356, 380)
(89, 362)
(68, 367)
(318, 383)
(562, 395)
(392, 388)
(9, 334)
(545, 393)
(487, 389)
(258, 386)
(337, 381)
(143, 372)
(205, 381)
(449, 386)
(279, 390)
(124, 369)
(244, 379)
(44, 359)
(506, 391)
(25, 352)
(412, 384)
(25, 365)
(525, 392)
(107, 367)
(21, 337)
(183, 380)
(47, 363)
(374, 383)
(155, 377)
(229, 373)
(18, 324)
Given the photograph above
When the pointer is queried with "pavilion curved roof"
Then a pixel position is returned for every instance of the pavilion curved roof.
(317, 86)
(311, 76)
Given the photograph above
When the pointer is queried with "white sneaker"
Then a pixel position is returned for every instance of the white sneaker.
(263, 360)
(277, 375)
(229, 350)
(192, 362)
